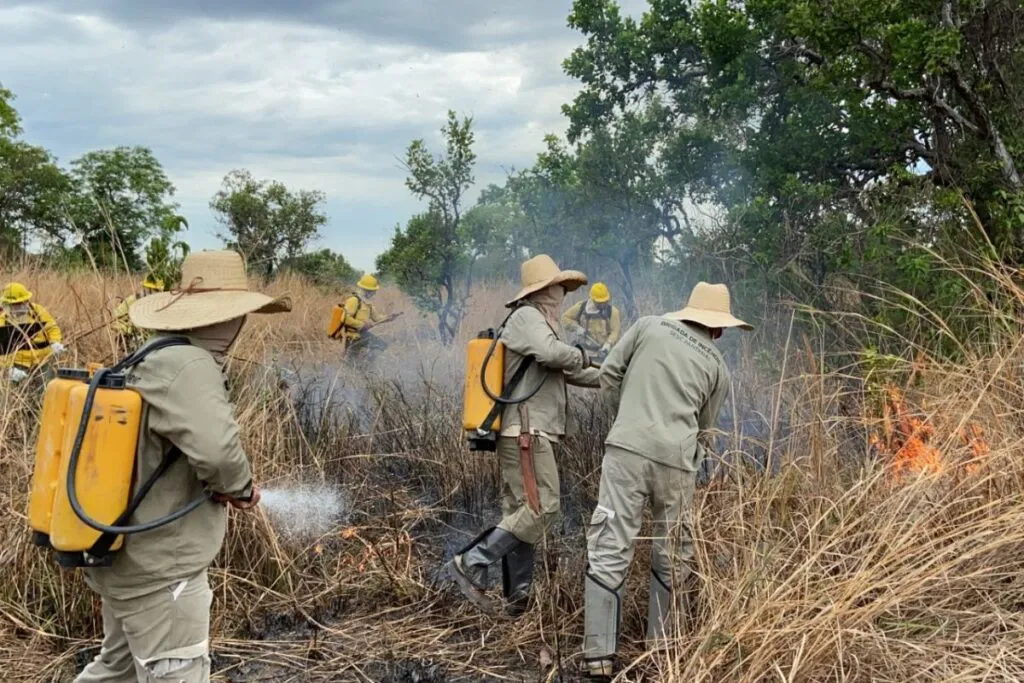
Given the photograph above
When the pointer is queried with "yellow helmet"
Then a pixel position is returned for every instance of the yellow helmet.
(599, 293)
(153, 283)
(15, 293)
(368, 282)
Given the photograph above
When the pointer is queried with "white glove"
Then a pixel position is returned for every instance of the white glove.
(58, 349)
(606, 348)
(17, 375)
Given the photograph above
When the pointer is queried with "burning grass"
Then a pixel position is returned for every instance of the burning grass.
(823, 554)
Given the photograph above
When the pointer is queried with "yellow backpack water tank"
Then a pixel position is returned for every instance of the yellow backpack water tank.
(49, 452)
(106, 465)
(476, 404)
(338, 316)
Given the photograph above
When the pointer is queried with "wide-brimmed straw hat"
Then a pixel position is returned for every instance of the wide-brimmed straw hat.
(541, 272)
(214, 289)
(709, 305)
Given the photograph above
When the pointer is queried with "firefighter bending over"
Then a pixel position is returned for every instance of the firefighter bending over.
(130, 337)
(596, 323)
(29, 336)
(667, 382)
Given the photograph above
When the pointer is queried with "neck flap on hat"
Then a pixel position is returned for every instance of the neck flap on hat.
(217, 339)
(549, 302)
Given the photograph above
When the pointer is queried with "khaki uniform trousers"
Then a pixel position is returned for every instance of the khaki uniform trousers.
(162, 637)
(628, 482)
(517, 517)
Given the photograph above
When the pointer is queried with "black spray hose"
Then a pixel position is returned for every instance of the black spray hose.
(76, 450)
(483, 378)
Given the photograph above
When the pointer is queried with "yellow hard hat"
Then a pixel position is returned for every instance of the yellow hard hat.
(153, 283)
(599, 293)
(368, 282)
(15, 293)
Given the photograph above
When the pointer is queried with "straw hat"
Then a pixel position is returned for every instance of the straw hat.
(541, 272)
(709, 305)
(214, 289)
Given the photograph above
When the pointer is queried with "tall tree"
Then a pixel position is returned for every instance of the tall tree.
(34, 191)
(430, 258)
(791, 114)
(265, 221)
(122, 198)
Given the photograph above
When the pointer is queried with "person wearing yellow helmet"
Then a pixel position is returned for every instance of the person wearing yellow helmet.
(129, 337)
(596, 323)
(29, 335)
(361, 316)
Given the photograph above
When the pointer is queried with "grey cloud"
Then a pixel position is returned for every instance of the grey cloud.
(439, 24)
(319, 95)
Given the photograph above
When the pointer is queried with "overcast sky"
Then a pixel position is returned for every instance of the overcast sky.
(320, 94)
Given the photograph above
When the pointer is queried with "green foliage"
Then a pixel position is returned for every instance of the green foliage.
(122, 198)
(34, 194)
(265, 221)
(164, 254)
(324, 268)
(10, 122)
(432, 258)
(823, 135)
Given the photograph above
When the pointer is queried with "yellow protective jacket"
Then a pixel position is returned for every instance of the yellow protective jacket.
(602, 328)
(122, 323)
(38, 351)
(357, 314)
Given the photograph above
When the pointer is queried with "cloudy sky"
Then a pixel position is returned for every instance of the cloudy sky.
(320, 94)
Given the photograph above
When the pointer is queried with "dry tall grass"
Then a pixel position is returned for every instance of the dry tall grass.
(830, 569)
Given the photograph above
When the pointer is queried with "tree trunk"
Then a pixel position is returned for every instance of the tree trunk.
(628, 290)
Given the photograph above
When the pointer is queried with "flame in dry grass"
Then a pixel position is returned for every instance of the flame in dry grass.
(908, 441)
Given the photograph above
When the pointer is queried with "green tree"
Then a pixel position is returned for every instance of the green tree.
(122, 198)
(10, 122)
(431, 258)
(265, 221)
(796, 117)
(323, 267)
(34, 191)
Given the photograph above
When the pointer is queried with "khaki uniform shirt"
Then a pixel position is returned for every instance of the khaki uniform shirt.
(667, 381)
(186, 405)
(527, 333)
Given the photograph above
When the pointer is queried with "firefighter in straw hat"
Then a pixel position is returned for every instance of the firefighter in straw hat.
(530, 431)
(667, 383)
(155, 595)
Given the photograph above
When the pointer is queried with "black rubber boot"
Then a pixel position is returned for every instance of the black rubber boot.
(517, 579)
(469, 566)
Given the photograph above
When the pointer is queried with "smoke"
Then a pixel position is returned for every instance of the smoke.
(304, 512)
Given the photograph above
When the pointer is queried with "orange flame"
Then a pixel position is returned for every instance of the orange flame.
(907, 440)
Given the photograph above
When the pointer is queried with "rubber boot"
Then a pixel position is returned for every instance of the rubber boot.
(517, 579)
(469, 566)
(601, 628)
(659, 609)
